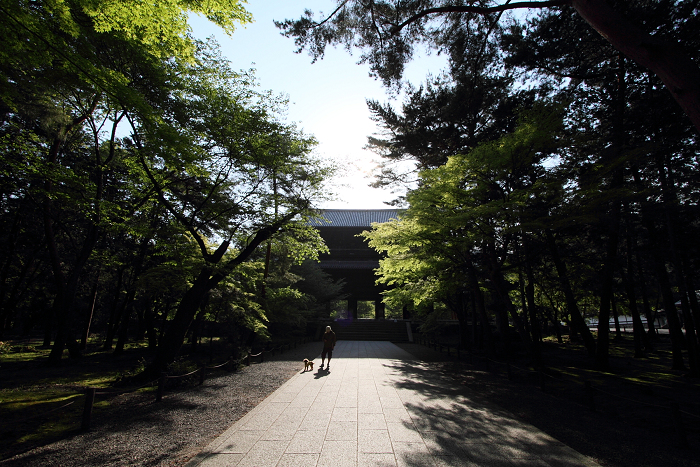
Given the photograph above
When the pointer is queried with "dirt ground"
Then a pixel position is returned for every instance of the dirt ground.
(624, 419)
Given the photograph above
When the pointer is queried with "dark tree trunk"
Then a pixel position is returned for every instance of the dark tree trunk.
(668, 61)
(555, 323)
(464, 337)
(197, 327)
(674, 324)
(207, 279)
(502, 292)
(648, 313)
(616, 318)
(148, 319)
(114, 313)
(480, 303)
(140, 321)
(177, 329)
(164, 319)
(606, 292)
(535, 324)
(637, 326)
(124, 321)
(670, 198)
(690, 337)
(692, 296)
(48, 326)
(90, 313)
(477, 340)
(67, 285)
(659, 265)
(10, 252)
(578, 324)
(456, 303)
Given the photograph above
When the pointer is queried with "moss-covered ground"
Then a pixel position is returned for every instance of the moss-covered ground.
(40, 403)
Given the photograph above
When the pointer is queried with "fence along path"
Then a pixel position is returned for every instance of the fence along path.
(91, 393)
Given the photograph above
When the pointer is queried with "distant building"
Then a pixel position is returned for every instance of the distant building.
(350, 258)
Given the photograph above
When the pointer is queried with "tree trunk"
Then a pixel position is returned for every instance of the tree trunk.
(670, 198)
(90, 313)
(692, 296)
(148, 319)
(628, 282)
(690, 337)
(668, 61)
(577, 322)
(480, 304)
(207, 279)
(477, 339)
(10, 253)
(648, 313)
(197, 327)
(606, 292)
(535, 325)
(554, 320)
(177, 329)
(124, 322)
(66, 286)
(616, 318)
(164, 319)
(674, 325)
(501, 290)
(114, 314)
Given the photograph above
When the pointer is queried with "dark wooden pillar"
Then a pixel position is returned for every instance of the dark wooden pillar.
(352, 308)
(379, 309)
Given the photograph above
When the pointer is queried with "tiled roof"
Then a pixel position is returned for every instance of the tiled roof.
(353, 217)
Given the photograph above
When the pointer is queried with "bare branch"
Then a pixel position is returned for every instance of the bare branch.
(477, 9)
(331, 15)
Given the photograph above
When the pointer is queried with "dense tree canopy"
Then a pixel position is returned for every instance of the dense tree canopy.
(140, 174)
(388, 31)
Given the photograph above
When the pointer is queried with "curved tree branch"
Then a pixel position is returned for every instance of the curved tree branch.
(477, 9)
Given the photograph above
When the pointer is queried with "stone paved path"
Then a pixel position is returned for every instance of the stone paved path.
(377, 406)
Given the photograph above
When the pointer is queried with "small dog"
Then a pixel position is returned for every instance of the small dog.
(308, 365)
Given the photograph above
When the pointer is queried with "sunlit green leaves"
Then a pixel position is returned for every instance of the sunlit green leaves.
(474, 199)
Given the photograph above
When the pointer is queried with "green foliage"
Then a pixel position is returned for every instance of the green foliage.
(150, 163)
(5, 348)
(473, 200)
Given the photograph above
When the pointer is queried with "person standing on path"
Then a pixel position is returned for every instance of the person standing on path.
(328, 346)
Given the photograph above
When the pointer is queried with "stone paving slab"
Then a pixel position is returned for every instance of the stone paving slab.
(378, 406)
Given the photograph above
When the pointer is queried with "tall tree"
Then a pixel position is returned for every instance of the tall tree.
(464, 217)
(67, 68)
(234, 173)
(617, 129)
(472, 102)
(386, 32)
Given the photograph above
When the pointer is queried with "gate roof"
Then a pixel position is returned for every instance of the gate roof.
(353, 217)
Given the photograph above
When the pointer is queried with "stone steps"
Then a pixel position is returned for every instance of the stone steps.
(371, 330)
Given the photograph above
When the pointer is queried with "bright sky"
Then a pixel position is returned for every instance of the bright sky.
(327, 98)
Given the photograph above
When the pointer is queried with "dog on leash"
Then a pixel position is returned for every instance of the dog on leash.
(308, 365)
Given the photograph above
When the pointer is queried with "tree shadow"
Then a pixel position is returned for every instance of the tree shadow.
(471, 416)
(462, 428)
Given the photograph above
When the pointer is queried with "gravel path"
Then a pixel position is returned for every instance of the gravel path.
(137, 431)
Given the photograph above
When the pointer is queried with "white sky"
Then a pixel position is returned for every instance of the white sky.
(327, 98)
